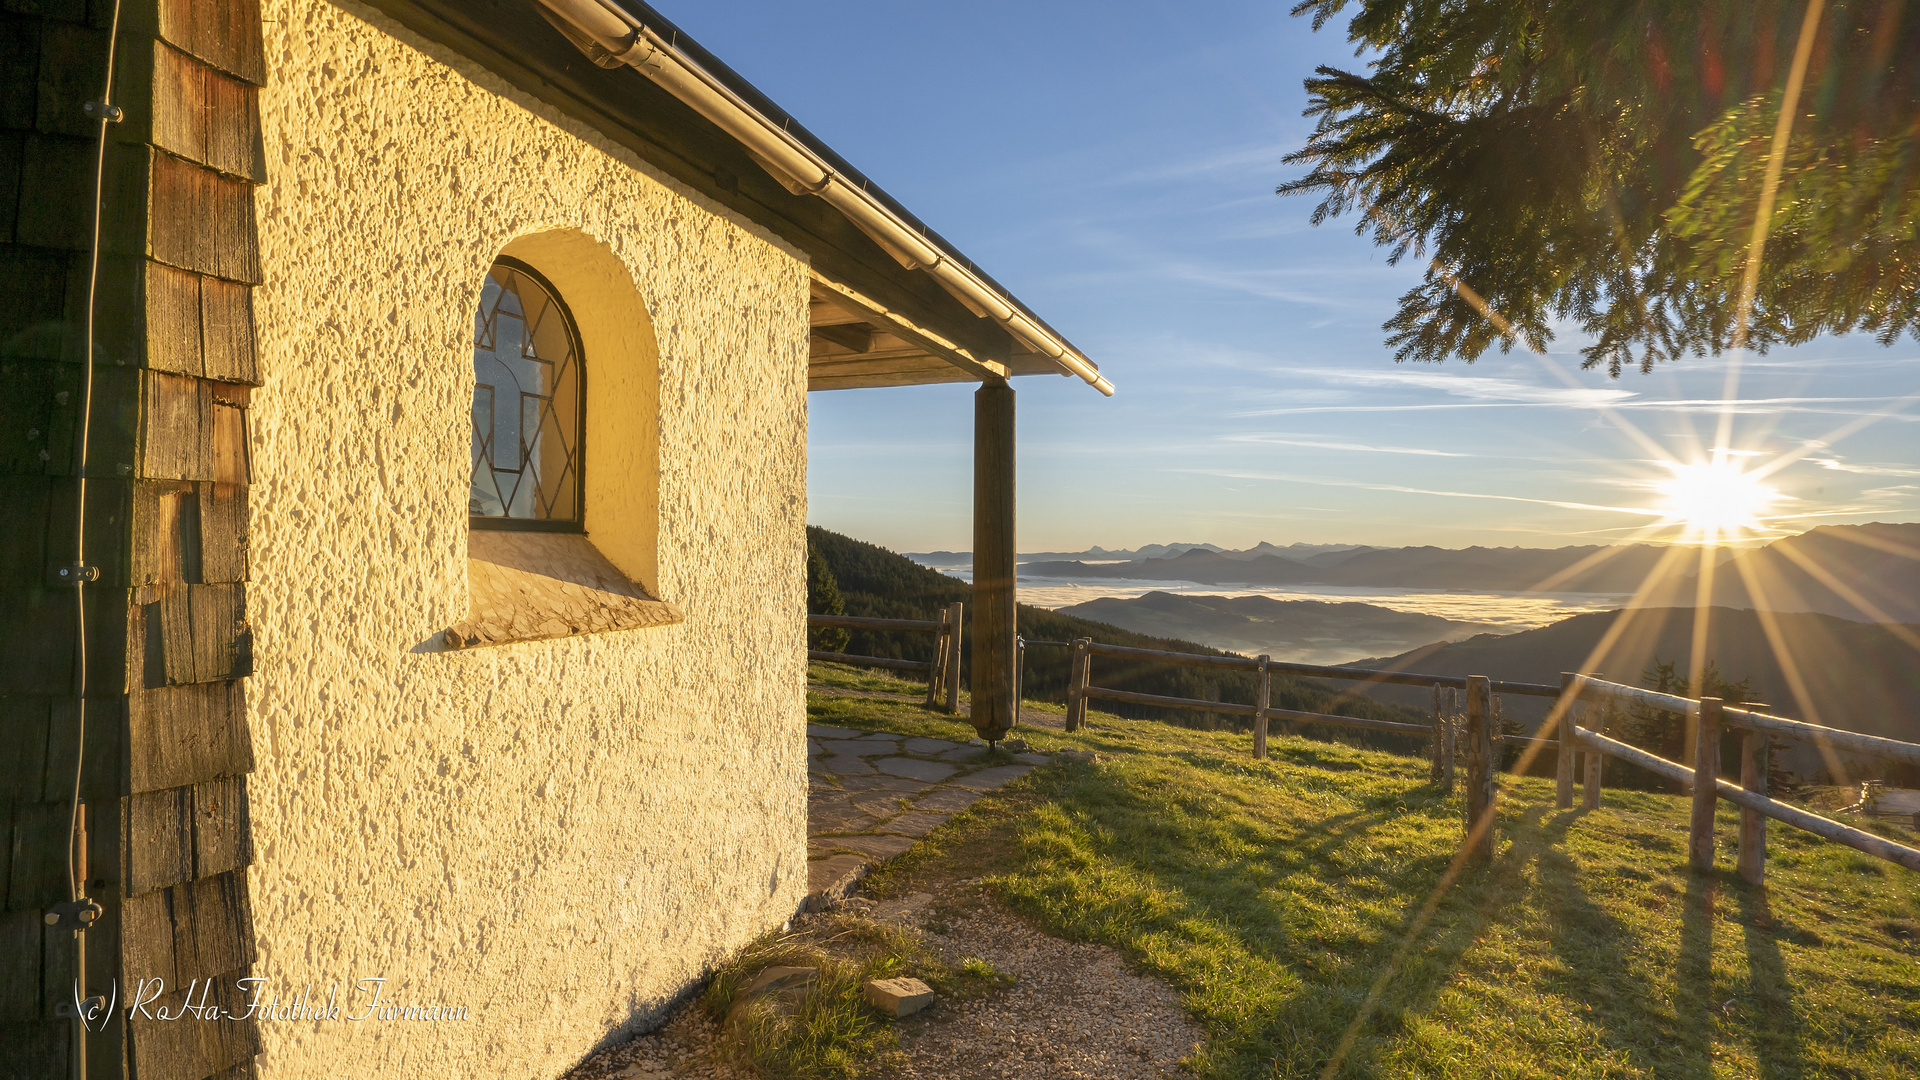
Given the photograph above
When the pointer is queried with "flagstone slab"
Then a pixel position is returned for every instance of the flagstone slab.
(916, 768)
(947, 800)
(884, 804)
(915, 825)
(883, 783)
(988, 779)
(872, 796)
(832, 878)
(880, 847)
(931, 746)
(835, 817)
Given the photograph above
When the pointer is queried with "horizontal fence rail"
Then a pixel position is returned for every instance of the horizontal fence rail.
(942, 672)
(856, 660)
(1734, 716)
(1756, 808)
(1828, 828)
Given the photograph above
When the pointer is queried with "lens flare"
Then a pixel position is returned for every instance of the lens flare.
(1715, 499)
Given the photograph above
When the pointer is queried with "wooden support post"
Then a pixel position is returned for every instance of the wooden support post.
(1753, 825)
(1563, 773)
(1449, 730)
(956, 628)
(993, 560)
(1077, 684)
(1262, 698)
(1480, 768)
(1706, 766)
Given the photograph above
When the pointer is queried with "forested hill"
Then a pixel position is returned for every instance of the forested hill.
(873, 581)
(1860, 676)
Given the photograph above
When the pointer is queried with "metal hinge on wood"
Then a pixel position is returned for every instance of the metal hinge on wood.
(73, 914)
(101, 110)
(77, 572)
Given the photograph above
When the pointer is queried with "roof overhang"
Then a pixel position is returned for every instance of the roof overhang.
(893, 303)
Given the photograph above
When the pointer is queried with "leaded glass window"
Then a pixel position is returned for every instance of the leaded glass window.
(526, 405)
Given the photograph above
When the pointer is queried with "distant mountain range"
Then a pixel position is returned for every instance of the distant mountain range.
(1869, 573)
(1866, 573)
(1303, 631)
(1619, 569)
(1859, 676)
(1096, 553)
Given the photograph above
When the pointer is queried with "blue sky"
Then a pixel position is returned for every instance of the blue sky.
(1114, 165)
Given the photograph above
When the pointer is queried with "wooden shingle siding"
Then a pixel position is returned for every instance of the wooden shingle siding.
(193, 634)
(183, 735)
(39, 766)
(223, 33)
(185, 834)
(204, 115)
(201, 220)
(163, 1050)
(168, 749)
(193, 931)
(198, 325)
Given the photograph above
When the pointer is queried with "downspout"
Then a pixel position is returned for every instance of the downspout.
(613, 37)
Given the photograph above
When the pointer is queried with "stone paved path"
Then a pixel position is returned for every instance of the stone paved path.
(871, 795)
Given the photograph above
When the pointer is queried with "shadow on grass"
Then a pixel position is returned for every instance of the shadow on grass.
(1321, 910)
(1596, 949)
(1777, 1032)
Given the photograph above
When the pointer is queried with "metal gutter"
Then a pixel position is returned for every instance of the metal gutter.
(613, 36)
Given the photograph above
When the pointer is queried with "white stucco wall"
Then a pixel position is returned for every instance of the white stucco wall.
(559, 835)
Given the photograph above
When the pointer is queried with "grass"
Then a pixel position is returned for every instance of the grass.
(1277, 898)
(828, 1031)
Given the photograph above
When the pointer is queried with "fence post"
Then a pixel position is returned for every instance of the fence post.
(1261, 699)
(1433, 774)
(1596, 763)
(1449, 732)
(1077, 684)
(954, 612)
(1019, 674)
(938, 668)
(1753, 826)
(1563, 772)
(1706, 766)
(1480, 768)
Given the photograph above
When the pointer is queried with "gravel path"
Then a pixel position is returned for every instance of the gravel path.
(1074, 1012)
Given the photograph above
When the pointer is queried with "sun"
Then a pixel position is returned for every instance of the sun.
(1715, 499)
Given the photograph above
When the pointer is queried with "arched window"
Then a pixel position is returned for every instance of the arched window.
(527, 405)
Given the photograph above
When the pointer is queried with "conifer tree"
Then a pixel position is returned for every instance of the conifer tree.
(1604, 163)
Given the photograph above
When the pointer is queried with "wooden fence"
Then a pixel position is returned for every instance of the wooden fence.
(942, 672)
(1710, 716)
(1477, 724)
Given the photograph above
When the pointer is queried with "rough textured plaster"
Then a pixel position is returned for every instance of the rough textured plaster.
(560, 835)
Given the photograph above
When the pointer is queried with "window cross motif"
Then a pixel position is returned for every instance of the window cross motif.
(526, 405)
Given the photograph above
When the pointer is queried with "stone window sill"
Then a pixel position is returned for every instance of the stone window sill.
(534, 586)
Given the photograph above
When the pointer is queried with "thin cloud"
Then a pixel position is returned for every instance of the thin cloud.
(1836, 465)
(1322, 444)
(1405, 490)
(1488, 389)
